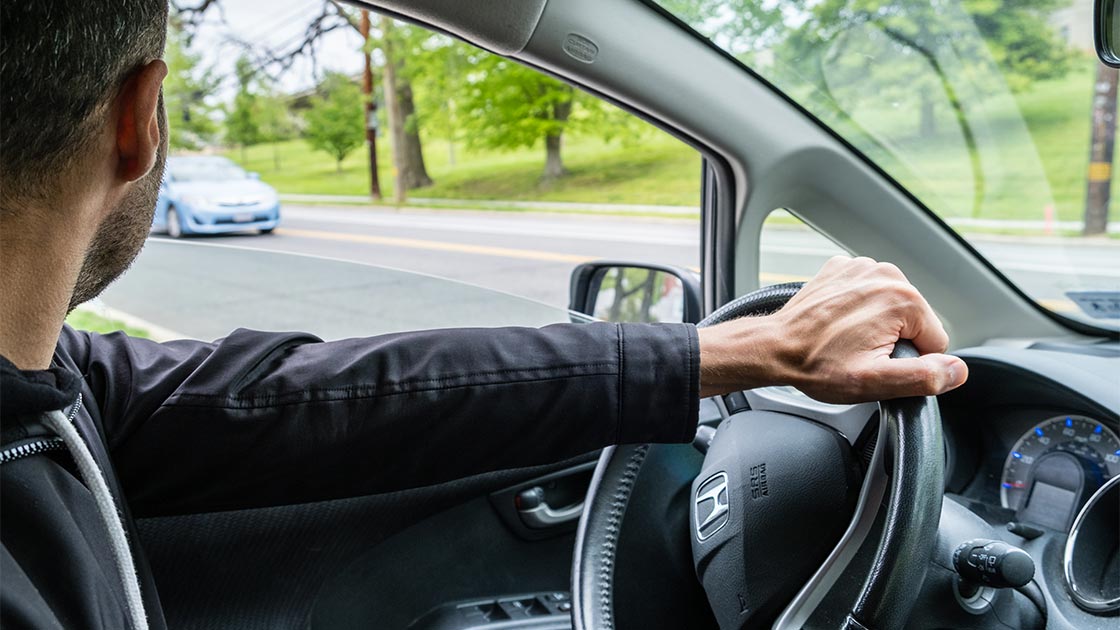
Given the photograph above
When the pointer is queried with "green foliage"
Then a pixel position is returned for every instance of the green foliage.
(276, 123)
(257, 114)
(906, 81)
(242, 124)
(507, 105)
(437, 67)
(187, 93)
(463, 93)
(665, 171)
(335, 120)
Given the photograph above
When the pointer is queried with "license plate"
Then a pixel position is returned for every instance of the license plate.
(244, 217)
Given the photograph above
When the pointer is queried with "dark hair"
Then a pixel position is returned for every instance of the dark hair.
(61, 63)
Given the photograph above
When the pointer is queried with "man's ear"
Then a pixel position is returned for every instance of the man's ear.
(138, 134)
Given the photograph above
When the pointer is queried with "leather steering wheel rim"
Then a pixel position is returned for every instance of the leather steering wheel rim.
(910, 438)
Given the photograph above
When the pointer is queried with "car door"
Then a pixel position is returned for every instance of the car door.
(494, 547)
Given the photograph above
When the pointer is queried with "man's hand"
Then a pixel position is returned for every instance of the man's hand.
(833, 340)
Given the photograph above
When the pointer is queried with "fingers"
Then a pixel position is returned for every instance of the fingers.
(890, 287)
(920, 324)
(928, 375)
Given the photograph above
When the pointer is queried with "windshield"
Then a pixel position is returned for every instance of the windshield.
(984, 111)
(204, 170)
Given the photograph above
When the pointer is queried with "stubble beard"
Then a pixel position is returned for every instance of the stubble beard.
(122, 234)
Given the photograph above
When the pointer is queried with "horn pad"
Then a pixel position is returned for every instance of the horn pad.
(774, 495)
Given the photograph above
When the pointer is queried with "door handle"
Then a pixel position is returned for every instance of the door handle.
(536, 513)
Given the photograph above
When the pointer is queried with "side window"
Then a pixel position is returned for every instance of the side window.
(417, 156)
(790, 250)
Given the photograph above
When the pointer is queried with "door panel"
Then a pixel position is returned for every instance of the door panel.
(263, 569)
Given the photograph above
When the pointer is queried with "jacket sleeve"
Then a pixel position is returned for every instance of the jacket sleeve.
(260, 419)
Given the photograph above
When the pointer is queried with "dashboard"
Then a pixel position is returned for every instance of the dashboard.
(1031, 440)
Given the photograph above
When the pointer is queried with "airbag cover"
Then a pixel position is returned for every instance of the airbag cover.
(774, 495)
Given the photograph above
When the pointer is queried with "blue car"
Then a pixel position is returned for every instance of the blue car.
(212, 195)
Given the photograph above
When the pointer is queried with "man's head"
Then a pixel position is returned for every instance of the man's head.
(82, 129)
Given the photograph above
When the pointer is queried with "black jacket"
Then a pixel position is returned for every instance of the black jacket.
(264, 419)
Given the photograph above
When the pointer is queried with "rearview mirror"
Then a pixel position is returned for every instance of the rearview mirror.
(254, 175)
(635, 292)
(1106, 32)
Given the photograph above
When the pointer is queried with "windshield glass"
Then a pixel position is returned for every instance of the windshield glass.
(204, 170)
(995, 114)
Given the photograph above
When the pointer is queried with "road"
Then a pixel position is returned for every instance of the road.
(525, 254)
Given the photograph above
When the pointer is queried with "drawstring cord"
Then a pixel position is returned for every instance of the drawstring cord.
(95, 480)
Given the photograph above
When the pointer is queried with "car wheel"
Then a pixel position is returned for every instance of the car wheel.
(267, 230)
(174, 227)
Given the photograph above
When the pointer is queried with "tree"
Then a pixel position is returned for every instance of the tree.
(508, 106)
(335, 120)
(404, 128)
(438, 69)
(186, 93)
(276, 122)
(931, 60)
(242, 124)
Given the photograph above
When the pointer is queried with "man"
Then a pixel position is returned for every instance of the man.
(99, 429)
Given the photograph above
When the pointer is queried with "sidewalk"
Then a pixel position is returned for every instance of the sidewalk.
(486, 204)
(647, 209)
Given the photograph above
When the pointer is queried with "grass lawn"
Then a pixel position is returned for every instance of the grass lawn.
(1034, 152)
(657, 169)
(83, 319)
(1044, 162)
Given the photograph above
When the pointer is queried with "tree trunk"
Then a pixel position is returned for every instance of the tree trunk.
(1099, 191)
(393, 109)
(928, 123)
(408, 157)
(414, 173)
(553, 163)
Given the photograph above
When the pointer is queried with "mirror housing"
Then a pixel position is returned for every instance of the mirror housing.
(1106, 32)
(254, 175)
(635, 292)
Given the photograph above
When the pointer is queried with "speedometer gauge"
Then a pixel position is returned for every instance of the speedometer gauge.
(1093, 444)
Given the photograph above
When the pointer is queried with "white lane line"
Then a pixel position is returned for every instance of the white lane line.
(610, 233)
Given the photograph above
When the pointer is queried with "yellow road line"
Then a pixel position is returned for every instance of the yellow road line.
(480, 250)
(442, 246)
(532, 254)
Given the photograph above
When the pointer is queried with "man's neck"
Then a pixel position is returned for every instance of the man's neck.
(40, 260)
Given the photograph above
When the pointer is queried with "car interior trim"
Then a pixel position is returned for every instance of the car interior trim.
(1083, 599)
(875, 484)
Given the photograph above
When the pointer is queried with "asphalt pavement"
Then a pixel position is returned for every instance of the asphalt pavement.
(192, 286)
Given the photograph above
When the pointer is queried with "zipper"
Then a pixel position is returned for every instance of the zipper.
(39, 445)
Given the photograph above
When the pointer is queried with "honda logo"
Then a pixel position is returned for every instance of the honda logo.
(712, 506)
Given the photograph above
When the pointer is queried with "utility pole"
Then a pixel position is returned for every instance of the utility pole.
(1099, 191)
(371, 109)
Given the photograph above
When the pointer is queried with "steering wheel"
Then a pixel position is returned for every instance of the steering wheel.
(775, 493)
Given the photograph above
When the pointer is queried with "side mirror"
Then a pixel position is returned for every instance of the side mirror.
(635, 292)
(254, 175)
(1106, 32)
